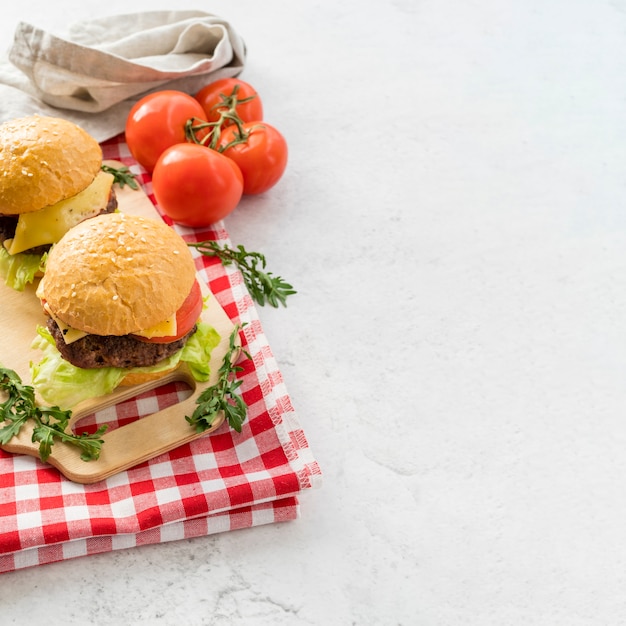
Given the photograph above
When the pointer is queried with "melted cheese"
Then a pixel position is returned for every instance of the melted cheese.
(70, 335)
(162, 329)
(48, 225)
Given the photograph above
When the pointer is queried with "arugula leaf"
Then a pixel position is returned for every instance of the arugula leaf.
(50, 422)
(121, 175)
(222, 396)
(263, 286)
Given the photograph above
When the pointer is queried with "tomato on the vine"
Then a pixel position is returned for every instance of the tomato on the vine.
(157, 121)
(217, 96)
(261, 157)
(195, 185)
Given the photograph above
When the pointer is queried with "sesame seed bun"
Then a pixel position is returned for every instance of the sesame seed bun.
(44, 160)
(117, 274)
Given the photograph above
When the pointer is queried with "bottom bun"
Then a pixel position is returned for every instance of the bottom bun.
(139, 378)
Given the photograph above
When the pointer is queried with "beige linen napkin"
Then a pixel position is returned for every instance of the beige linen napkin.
(95, 73)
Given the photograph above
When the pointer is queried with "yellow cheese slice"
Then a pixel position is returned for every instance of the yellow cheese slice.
(162, 329)
(70, 335)
(48, 225)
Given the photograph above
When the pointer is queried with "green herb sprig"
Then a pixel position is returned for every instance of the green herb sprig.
(121, 175)
(50, 422)
(222, 396)
(263, 286)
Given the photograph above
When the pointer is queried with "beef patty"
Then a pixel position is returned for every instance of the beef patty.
(94, 351)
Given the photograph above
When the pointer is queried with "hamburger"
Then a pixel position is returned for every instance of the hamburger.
(123, 307)
(51, 179)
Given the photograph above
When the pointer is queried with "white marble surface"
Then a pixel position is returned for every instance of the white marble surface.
(454, 219)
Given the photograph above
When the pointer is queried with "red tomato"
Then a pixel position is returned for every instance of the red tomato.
(186, 316)
(157, 121)
(262, 159)
(214, 94)
(195, 185)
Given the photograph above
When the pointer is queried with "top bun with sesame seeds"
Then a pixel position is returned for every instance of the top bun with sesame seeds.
(44, 160)
(117, 274)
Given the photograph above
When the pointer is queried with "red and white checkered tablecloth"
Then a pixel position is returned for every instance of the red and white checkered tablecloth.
(223, 481)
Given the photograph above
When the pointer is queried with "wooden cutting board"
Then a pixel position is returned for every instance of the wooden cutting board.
(127, 445)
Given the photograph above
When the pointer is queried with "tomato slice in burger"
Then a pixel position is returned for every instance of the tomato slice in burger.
(186, 316)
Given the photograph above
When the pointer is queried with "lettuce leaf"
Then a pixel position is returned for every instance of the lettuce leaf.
(197, 351)
(62, 384)
(20, 269)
